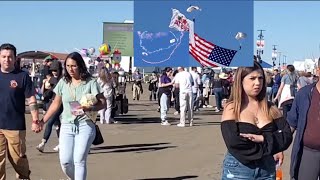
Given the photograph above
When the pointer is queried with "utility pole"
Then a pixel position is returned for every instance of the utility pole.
(260, 45)
(284, 61)
(274, 56)
(279, 60)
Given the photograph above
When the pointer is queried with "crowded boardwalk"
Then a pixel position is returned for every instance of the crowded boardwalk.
(138, 147)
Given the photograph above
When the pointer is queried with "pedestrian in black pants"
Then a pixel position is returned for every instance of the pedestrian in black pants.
(176, 100)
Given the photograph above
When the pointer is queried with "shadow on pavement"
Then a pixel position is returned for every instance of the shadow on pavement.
(143, 120)
(208, 113)
(137, 148)
(174, 178)
(207, 124)
(142, 104)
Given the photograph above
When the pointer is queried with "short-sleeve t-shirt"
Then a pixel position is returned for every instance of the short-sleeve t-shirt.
(185, 81)
(70, 93)
(289, 79)
(15, 87)
(164, 79)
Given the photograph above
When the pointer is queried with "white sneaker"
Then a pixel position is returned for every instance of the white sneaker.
(40, 147)
(191, 124)
(216, 110)
(165, 123)
(176, 113)
(181, 125)
(209, 106)
(56, 148)
(204, 106)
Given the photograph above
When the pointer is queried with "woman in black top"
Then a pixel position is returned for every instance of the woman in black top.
(253, 129)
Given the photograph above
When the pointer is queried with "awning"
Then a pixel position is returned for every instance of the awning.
(40, 55)
(265, 64)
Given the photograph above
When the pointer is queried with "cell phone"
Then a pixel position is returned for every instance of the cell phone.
(75, 108)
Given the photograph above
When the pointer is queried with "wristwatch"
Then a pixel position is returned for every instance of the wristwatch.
(37, 121)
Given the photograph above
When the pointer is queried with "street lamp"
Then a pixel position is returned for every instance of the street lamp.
(279, 60)
(260, 46)
(284, 60)
(274, 56)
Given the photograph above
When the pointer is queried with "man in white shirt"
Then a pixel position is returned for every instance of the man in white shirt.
(195, 87)
(185, 82)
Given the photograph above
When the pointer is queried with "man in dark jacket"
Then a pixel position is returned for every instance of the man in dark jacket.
(304, 118)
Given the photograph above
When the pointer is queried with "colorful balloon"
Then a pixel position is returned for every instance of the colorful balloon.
(117, 56)
(105, 49)
(91, 50)
(84, 52)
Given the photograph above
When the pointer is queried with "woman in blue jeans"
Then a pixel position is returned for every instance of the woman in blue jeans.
(217, 85)
(165, 87)
(56, 70)
(77, 131)
(253, 130)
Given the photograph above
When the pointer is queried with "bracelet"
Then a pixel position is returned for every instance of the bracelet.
(37, 121)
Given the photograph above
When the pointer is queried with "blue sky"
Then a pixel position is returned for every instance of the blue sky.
(292, 25)
(59, 26)
(217, 22)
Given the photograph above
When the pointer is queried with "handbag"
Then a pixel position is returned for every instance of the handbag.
(98, 139)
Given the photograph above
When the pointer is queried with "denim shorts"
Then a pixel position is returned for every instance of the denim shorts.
(257, 170)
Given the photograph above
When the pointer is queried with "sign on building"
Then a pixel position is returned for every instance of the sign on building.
(119, 36)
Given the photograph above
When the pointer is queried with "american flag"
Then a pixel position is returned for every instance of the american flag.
(210, 55)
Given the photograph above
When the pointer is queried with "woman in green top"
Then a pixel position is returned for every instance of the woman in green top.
(77, 131)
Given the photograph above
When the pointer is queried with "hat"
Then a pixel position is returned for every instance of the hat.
(223, 76)
(49, 58)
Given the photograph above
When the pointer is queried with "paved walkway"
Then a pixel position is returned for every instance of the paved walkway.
(139, 148)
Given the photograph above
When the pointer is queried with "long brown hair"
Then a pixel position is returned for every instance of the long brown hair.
(237, 93)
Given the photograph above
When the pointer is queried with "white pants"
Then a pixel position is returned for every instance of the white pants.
(105, 114)
(186, 103)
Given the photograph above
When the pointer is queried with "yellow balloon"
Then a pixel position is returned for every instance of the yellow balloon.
(104, 49)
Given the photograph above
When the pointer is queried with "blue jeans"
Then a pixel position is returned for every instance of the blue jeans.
(74, 145)
(163, 107)
(218, 96)
(269, 93)
(264, 169)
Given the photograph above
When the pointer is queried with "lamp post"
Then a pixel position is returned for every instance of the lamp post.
(284, 61)
(279, 60)
(260, 45)
(274, 56)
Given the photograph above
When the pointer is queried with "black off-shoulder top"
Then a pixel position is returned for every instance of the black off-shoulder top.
(277, 138)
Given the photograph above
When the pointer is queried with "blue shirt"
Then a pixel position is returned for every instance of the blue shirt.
(277, 82)
(15, 87)
(297, 118)
(136, 76)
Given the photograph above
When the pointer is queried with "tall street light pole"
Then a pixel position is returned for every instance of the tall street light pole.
(284, 61)
(274, 56)
(260, 45)
(279, 60)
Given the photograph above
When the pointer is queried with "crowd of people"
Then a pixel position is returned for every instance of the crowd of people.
(261, 111)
